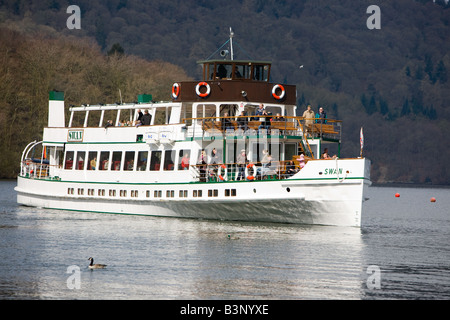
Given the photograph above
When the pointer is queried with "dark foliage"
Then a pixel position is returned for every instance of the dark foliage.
(392, 81)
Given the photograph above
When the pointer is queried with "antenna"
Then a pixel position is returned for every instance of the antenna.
(231, 43)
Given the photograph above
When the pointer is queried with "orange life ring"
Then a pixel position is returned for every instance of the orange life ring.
(249, 177)
(219, 172)
(175, 90)
(274, 91)
(203, 84)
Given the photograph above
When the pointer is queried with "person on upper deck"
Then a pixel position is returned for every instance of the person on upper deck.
(226, 123)
(278, 117)
(259, 112)
(140, 115)
(321, 116)
(309, 118)
(265, 122)
(146, 118)
(109, 123)
(242, 121)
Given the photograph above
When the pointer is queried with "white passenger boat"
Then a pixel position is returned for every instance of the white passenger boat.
(207, 154)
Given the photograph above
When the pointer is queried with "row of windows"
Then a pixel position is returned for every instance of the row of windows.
(127, 161)
(148, 193)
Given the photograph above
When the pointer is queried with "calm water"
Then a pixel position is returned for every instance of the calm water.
(401, 252)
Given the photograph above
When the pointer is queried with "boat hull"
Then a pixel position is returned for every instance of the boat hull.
(286, 201)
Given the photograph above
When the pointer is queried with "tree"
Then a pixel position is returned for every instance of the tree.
(116, 49)
(405, 108)
(441, 72)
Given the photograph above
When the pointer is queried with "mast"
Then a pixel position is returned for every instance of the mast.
(231, 43)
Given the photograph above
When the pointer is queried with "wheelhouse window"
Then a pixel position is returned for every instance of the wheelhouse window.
(242, 71)
(128, 165)
(261, 72)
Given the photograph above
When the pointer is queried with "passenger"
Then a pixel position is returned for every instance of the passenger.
(326, 156)
(140, 115)
(185, 162)
(259, 112)
(291, 169)
(202, 168)
(301, 161)
(309, 119)
(241, 162)
(265, 122)
(278, 117)
(146, 118)
(266, 162)
(321, 116)
(214, 157)
(109, 123)
(243, 122)
(93, 163)
(221, 72)
(226, 123)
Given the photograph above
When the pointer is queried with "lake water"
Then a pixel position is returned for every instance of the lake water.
(401, 252)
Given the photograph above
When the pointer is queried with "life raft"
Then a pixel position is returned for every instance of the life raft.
(274, 91)
(175, 90)
(203, 84)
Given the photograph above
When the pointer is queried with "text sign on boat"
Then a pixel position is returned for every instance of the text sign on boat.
(75, 136)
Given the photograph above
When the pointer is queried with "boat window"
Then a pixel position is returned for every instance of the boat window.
(162, 115)
(242, 71)
(260, 72)
(224, 71)
(210, 71)
(186, 113)
(230, 109)
(155, 161)
(128, 165)
(116, 158)
(92, 160)
(206, 110)
(69, 160)
(104, 160)
(183, 159)
(142, 161)
(273, 110)
(169, 159)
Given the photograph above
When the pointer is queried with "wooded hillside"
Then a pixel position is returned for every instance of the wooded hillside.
(393, 81)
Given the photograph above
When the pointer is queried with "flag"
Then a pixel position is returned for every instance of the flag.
(361, 140)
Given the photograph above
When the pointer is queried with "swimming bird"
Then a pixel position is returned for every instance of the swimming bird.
(95, 266)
